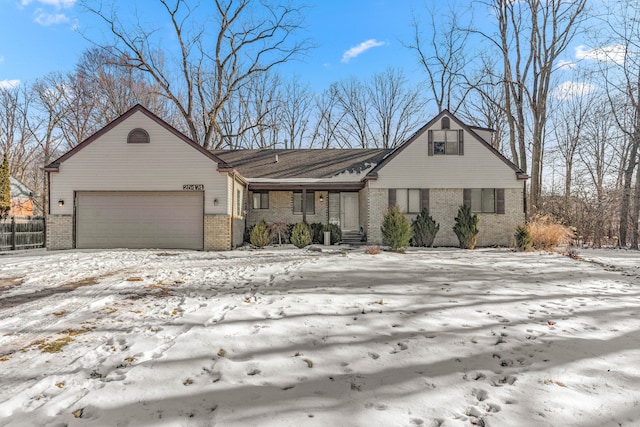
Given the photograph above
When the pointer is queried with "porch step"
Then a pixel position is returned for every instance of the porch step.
(352, 238)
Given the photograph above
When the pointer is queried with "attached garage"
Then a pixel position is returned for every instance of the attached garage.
(166, 220)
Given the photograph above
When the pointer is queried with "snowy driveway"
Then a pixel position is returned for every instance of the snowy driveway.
(286, 337)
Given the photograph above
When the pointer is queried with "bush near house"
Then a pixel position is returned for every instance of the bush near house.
(317, 229)
(396, 230)
(301, 235)
(523, 239)
(336, 233)
(466, 227)
(259, 235)
(425, 229)
(279, 233)
(548, 233)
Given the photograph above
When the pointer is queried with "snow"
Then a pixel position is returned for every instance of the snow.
(290, 337)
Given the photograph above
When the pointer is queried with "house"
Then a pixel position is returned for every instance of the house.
(139, 183)
(21, 199)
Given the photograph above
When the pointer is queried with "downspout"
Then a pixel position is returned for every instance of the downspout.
(233, 206)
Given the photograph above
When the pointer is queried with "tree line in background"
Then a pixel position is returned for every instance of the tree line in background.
(221, 86)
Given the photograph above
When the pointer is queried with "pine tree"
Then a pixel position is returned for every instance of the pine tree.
(424, 229)
(5, 187)
(466, 227)
(396, 230)
(301, 235)
(259, 235)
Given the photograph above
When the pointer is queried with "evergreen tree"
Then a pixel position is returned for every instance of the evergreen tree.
(396, 230)
(301, 235)
(259, 235)
(5, 187)
(466, 227)
(424, 229)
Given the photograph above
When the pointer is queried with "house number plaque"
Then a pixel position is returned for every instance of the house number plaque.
(193, 187)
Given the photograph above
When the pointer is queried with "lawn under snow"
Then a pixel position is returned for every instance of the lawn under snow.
(287, 337)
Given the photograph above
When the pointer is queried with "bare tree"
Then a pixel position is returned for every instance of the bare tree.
(328, 119)
(395, 108)
(531, 35)
(215, 57)
(353, 99)
(295, 112)
(443, 53)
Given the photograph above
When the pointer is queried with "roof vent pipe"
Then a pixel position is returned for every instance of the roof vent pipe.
(276, 158)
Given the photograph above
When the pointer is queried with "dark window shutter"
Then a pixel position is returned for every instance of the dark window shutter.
(265, 201)
(424, 199)
(461, 142)
(392, 197)
(500, 201)
(467, 197)
(430, 135)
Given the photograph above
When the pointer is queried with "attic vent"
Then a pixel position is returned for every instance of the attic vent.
(138, 136)
(444, 123)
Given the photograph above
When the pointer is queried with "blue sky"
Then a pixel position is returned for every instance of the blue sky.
(356, 37)
(353, 38)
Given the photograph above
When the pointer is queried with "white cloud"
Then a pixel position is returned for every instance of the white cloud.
(566, 64)
(43, 18)
(360, 49)
(572, 89)
(8, 84)
(613, 53)
(1, 59)
(58, 4)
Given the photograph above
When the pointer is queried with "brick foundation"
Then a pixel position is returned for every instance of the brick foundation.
(217, 233)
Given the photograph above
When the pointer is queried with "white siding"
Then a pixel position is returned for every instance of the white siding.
(111, 164)
(477, 168)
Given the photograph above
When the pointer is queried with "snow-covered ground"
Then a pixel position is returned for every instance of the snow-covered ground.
(288, 337)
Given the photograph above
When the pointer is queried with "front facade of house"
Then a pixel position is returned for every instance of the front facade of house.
(139, 183)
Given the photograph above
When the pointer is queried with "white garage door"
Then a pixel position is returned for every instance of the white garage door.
(168, 220)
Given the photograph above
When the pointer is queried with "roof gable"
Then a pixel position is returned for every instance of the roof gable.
(373, 173)
(54, 166)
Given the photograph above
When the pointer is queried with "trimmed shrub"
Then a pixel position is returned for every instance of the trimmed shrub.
(523, 239)
(396, 230)
(260, 235)
(424, 229)
(301, 235)
(316, 232)
(336, 233)
(279, 232)
(466, 227)
(547, 233)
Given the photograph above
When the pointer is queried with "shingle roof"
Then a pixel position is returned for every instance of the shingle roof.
(301, 163)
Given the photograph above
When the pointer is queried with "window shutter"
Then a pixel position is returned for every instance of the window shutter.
(500, 201)
(467, 197)
(424, 199)
(392, 197)
(461, 142)
(430, 136)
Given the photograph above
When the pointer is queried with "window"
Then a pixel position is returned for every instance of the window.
(138, 136)
(446, 142)
(485, 200)
(260, 201)
(411, 200)
(310, 202)
(238, 203)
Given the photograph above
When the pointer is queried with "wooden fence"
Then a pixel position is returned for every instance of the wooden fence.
(22, 232)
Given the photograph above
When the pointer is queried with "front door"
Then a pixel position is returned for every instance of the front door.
(349, 212)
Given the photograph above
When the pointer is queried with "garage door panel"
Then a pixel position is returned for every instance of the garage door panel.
(168, 220)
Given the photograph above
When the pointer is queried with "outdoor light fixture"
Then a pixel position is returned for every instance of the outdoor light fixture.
(60, 202)
(215, 202)
(321, 198)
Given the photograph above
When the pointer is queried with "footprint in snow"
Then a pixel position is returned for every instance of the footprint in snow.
(399, 347)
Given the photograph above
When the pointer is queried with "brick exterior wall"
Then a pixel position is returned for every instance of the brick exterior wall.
(238, 231)
(59, 232)
(494, 229)
(217, 233)
(281, 209)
